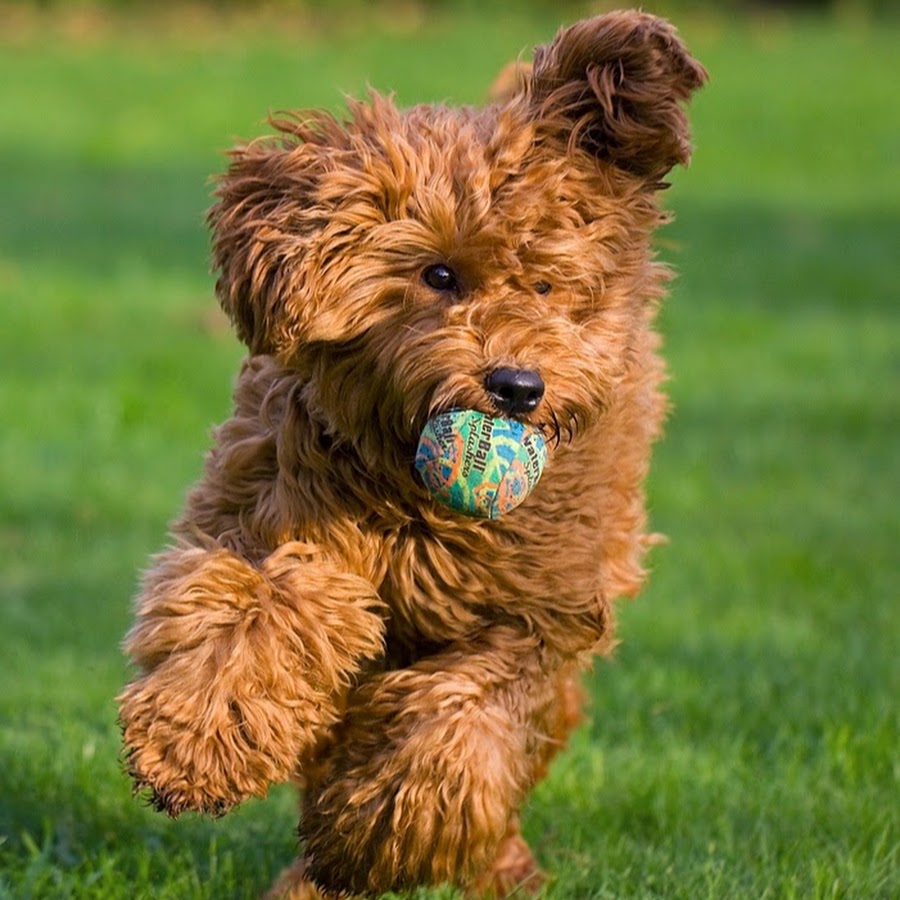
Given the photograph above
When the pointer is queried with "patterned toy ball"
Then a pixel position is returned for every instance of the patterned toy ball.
(479, 465)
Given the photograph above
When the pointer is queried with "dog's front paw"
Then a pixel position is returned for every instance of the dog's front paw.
(243, 670)
(202, 747)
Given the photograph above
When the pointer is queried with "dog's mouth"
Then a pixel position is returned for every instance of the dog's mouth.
(556, 428)
(508, 392)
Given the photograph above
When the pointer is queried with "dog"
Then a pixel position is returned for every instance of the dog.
(318, 616)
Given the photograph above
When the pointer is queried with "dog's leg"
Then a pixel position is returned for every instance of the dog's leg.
(431, 766)
(243, 670)
(292, 884)
(514, 872)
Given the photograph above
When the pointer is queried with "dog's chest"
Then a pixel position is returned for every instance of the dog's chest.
(444, 587)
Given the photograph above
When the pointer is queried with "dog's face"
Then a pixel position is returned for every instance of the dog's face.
(496, 259)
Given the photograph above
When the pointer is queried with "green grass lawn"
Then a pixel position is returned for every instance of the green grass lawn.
(744, 740)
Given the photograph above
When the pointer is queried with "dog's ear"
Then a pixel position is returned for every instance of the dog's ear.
(512, 79)
(614, 86)
(262, 227)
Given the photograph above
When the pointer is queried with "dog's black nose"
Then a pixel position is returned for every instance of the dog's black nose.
(515, 391)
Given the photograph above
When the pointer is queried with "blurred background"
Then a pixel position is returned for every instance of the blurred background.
(743, 740)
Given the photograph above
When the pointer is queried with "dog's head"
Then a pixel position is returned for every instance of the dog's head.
(414, 261)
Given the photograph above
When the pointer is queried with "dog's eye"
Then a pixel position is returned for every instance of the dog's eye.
(440, 277)
(543, 287)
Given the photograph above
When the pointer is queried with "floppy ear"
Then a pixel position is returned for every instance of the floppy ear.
(616, 84)
(261, 229)
(512, 79)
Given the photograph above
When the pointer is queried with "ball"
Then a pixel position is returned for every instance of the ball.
(479, 465)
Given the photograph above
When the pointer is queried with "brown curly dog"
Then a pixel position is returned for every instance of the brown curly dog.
(319, 616)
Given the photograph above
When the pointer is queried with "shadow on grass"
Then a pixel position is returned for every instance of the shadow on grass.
(83, 216)
(778, 257)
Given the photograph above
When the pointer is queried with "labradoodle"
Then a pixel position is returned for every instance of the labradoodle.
(319, 616)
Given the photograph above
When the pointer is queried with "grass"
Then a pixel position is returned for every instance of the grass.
(743, 743)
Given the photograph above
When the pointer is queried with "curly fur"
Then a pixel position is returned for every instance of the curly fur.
(318, 617)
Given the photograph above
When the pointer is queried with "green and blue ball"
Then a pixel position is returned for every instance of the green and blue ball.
(480, 465)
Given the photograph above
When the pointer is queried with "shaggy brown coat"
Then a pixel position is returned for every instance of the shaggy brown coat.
(319, 617)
